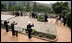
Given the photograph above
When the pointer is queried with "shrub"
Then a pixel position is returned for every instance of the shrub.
(40, 18)
(9, 26)
(33, 31)
(40, 35)
(25, 29)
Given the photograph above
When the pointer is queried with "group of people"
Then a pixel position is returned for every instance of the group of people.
(63, 19)
(12, 26)
(17, 13)
(15, 33)
(34, 15)
(29, 26)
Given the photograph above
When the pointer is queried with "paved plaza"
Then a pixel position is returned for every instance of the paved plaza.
(63, 33)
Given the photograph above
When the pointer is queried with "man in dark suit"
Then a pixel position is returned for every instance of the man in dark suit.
(46, 18)
(64, 20)
(6, 25)
(21, 13)
(29, 29)
(12, 27)
(32, 15)
(16, 13)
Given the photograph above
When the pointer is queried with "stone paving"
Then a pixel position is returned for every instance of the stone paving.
(22, 21)
(63, 33)
(3, 17)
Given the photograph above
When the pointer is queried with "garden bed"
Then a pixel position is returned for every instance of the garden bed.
(44, 36)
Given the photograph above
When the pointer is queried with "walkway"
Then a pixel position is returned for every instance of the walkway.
(7, 37)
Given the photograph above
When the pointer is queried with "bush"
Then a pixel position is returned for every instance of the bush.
(64, 13)
(9, 26)
(41, 18)
(25, 29)
(41, 35)
(33, 31)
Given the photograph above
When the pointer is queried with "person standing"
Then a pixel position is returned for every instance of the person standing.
(46, 18)
(6, 25)
(21, 13)
(29, 29)
(13, 12)
(16, 13)
(59, 16)
(64, 20)
(56, 20)
(32, 15)
(12, 27)
(61, 21)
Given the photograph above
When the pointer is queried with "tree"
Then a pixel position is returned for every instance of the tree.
(9, 5)
(34, 7)
(65, 6)
(64, 12)
(59, 7)
(28, 7)
(16, 8)
(3, 6)
(44, 9)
